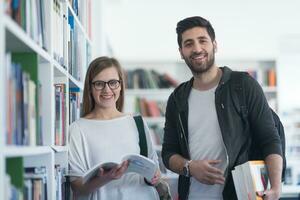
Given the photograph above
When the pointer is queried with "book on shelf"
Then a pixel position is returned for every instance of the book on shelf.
(15, 174)
(148, 79)
(74, 104)
(250, 178)
(35, 182)
(62, 184)
(31, 16)
(150, 108)
(265, 77)
(137, 164)
(23, 118)
(60, 114)
(271, 77)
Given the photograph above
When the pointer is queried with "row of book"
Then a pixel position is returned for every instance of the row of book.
(31, 183)
(60, 115)
(249, 179)
(79, 50)
(141, 78)
(82, 8)
(23, 119)
(24, 104)
(150, 108)
(292, 175)
(31, 17)
(74, 104)
(27, 183)
(252, 177)
(157, 134)
(62, 183)
(61, 111)
(70, 47)
(61, 36)
(265, 77)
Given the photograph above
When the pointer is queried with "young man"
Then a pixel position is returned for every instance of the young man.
(205, 136)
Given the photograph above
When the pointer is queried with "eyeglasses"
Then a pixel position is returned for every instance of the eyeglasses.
(112, 84)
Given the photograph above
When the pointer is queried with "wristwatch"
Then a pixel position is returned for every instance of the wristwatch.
(186, 168)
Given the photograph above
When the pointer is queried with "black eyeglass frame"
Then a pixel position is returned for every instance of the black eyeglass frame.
(107, 83)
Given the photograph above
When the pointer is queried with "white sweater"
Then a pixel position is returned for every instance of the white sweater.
(97, 141)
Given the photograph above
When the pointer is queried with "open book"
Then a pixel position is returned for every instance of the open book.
(249, 178)
(137, 164)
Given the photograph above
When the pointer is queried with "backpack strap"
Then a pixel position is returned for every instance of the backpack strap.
(142, 136)
(238, 88)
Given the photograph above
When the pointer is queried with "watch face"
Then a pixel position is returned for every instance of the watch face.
(185, 171)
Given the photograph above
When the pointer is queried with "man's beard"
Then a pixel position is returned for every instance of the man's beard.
(197, 69)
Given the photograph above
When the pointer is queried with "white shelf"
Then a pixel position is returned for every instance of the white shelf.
(290, 190)
(2, 105)
(60, 149)
(12, 151)
(75, 83)
(20, 41)
(82, 29)
(147, 92)
(154, 120)
(59, 70)
(293, 159)
(269, 89)
(14, 39)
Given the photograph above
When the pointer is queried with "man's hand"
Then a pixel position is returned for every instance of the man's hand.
(205, 172)
(274, 165)
(272, 194)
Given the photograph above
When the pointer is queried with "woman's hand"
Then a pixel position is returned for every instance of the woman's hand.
(103, 177)
(115, 173)
(156, 177)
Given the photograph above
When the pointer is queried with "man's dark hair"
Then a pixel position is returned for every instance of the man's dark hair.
(192, 22)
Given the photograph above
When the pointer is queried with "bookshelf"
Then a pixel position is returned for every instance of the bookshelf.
(289, 107)
(2, 103)
(258, 67)
(263, 70)
(273, 92)
(45, 44)
(148, 93)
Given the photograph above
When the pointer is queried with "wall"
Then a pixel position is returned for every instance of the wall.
(288, 74)
(145, 30)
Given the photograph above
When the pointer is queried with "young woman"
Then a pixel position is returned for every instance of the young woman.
(104, 134)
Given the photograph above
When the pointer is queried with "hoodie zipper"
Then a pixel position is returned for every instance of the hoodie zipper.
(183, 135)
(227, 157)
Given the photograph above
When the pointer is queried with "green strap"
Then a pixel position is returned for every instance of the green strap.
(142, 136)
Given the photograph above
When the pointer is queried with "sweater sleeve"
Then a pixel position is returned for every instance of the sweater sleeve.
(77, 152)
(170, 144)
(261, 119)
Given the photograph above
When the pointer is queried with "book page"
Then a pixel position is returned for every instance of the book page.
(141, 165)
(260, 176)
(137, 164)
(93, 171)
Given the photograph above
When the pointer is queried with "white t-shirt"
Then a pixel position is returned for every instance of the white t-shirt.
(96, 141)
(205, 141)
